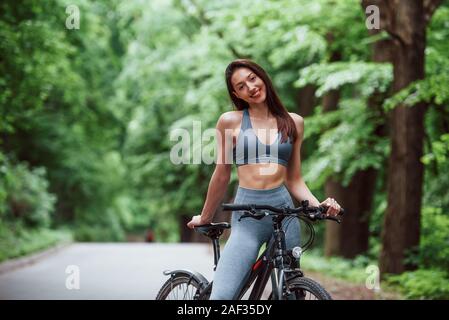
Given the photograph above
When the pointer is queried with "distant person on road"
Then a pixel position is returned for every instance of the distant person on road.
(149, 237)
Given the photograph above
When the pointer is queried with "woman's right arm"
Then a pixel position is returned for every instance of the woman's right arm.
(220, 178)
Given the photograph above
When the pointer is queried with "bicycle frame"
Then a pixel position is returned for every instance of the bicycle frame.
(260, 273)
(270, 264)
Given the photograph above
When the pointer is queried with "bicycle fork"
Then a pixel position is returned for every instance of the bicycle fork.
(277, 283)
(278, 273)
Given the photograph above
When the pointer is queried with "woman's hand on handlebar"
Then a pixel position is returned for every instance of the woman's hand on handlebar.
(196, 221)
(333, 208)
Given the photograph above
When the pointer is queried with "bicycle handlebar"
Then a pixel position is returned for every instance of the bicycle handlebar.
(313, 213)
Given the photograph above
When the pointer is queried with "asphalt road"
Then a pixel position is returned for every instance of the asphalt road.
(104, 271)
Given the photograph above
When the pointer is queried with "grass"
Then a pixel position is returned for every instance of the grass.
(422, 284)
(419, 284)
(351, 270)
(16, 241)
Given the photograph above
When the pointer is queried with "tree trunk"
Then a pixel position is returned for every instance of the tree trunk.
(406, 23)
(306, 100)
(401, 229)
(334, 234)
(351, 237)
(185, 232)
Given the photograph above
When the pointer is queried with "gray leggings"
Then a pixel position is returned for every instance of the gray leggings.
(247, 236)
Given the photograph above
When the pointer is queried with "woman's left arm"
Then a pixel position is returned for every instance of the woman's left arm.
(294, 180)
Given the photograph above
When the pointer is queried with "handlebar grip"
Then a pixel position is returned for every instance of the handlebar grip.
(340, 213)
(234, 207)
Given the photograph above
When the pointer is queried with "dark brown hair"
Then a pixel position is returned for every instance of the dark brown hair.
(285, 123)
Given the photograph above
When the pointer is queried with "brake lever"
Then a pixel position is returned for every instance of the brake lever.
(315, 214)
(323, 216)
(249, 214)
(312, 217)
(333, 219)
(245, 214)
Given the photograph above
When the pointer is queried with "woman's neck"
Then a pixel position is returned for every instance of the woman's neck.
(260, 110)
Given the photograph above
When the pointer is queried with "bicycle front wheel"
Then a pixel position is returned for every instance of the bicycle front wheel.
(179, 287)
(307, 289)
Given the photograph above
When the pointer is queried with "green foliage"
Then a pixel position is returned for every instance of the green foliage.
(86, 115)
(352, 270)
(435, 159)
(34, 67)
(183, 79)
(439, 151)
(432, 89)
(436, 186)
(108, 229)
(17, 240)
(366, 77)
(24, 195)
(422, 284)
(346, 143)
(434, 245)
(57, 86)
(345, 139)
(330, 19)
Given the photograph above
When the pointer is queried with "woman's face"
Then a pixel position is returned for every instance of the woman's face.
(248, 86)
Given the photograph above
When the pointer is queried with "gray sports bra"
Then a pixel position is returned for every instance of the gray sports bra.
(249, 149)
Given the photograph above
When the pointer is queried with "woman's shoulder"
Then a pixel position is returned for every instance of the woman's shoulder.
(230, 118)
(296, 117)
(299, 121)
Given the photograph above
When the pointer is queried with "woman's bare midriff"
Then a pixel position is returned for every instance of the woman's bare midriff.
(258, 175)
(261, 175)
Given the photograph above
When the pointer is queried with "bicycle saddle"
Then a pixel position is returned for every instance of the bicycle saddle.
(213, 230)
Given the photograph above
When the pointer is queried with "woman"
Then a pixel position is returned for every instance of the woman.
(266, 142)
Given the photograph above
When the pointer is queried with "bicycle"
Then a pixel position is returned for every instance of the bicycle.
(276, 262)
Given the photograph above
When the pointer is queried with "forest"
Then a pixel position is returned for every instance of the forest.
(91, 91)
